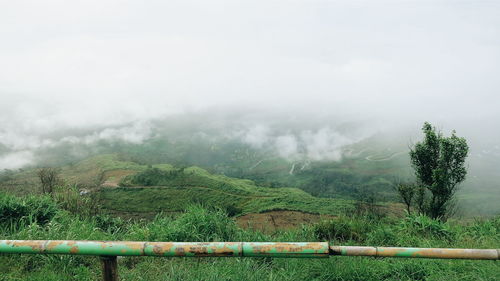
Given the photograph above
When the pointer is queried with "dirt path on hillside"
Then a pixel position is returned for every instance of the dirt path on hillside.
(113, 177)
(371, 157)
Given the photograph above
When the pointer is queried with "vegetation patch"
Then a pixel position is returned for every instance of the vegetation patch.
(200, 223)
(272, 221)
(32, 209)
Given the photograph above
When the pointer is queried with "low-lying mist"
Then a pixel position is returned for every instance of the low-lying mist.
(228, 85)
(294, 135)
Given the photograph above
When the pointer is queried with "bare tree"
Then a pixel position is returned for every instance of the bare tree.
(49, 178)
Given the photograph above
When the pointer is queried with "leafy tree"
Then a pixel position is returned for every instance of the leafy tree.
(439, 164)
(407, 192)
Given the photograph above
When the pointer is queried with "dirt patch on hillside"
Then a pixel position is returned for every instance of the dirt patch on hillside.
(278, 220)
(113, 178)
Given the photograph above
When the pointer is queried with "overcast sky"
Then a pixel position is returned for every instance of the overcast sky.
(78, 64)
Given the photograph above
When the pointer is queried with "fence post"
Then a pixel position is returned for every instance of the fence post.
(109, 268)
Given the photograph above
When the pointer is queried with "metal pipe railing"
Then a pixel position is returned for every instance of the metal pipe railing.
(109, 250)
(232, 249)
(430, 253)
(166, 249)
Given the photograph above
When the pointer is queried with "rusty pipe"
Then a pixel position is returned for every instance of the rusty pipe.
(432, 253)
(167, 249)
(231, 249)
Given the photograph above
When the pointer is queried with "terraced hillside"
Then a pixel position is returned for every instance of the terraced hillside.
(131, 189)
(168, 189)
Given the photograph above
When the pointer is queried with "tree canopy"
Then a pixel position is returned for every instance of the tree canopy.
(439, 164)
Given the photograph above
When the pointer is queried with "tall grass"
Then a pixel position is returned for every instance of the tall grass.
(15, 212)
(201, 224)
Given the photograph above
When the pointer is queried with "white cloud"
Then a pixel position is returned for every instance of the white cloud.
(136, 134)
(257, 136)
(82, 65)
(16, 160)
(325, 144)
(287, 146)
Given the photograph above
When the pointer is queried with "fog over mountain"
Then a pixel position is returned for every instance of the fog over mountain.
(302, 77)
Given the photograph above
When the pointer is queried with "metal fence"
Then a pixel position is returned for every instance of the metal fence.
(109, 250)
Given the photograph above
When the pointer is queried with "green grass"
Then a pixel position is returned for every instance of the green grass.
(175, 188)
(201, 224)
(175, 199)
(195, 185)
(86, 173)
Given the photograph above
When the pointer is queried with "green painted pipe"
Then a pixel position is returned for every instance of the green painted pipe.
(166, 249)
(231, 249)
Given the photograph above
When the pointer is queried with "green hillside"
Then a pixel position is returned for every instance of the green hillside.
(128, 188)
(89, 174)
(174, 189)
(368, 166)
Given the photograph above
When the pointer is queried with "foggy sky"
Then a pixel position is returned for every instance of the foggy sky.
(115, 65)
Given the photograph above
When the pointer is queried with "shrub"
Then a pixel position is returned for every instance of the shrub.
(200, 224)
(481, 229)
(69, 198)
(382, 236)
(342, 229)
(110, 224)
(152, 177)
(196, 224)
(16, 210)
(232, 210)
(427, 227)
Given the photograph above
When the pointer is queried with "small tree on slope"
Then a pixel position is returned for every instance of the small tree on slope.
(439, 164)
(49, 178)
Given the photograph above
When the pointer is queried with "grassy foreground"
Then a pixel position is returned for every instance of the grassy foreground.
(42, 218)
